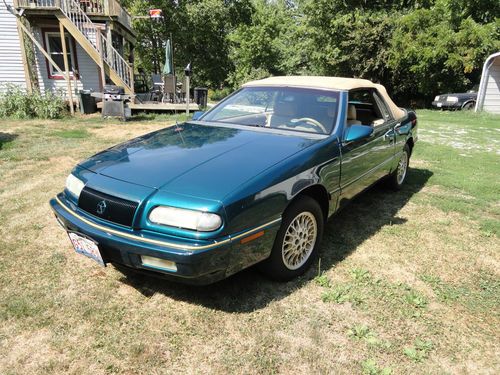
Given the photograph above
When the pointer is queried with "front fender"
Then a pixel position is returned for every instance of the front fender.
(266, 196)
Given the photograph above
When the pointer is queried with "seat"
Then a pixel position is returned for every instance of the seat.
(282, 114)
(184, 97)
(352, 116)
(169, 82)
(157, 89)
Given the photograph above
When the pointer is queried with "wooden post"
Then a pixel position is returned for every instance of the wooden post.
(132, 83)
(131, 63)
(109, 44)
(187, 95)
(101, 52)
(66, 68)
(75, 85)
(27, 75)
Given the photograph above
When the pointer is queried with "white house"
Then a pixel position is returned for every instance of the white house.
(98, 39)
(488, 96)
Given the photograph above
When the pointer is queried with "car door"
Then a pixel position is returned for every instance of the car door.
(366, 160)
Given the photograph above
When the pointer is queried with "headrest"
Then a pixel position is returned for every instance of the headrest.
(351, 112)
(284, 109)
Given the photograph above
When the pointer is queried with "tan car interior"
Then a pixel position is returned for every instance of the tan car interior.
(352, 115)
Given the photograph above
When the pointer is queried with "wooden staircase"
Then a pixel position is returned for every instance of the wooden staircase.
(90, 37)
(95, 43)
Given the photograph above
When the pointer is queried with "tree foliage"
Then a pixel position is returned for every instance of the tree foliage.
(417, 48)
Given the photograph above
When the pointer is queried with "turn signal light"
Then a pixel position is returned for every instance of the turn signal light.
(158, 263)
(252, 237)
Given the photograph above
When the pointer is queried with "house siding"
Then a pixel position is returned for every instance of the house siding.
(88, 71)
(11, 62)
(492, 92)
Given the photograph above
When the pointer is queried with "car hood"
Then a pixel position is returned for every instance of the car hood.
(198, 160)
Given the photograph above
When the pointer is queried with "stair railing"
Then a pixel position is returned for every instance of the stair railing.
(89, 30)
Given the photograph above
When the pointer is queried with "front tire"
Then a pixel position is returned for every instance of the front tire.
(296, 244)
(398, 177)
(469, 106)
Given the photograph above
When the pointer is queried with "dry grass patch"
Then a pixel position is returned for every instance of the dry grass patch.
(408, 282)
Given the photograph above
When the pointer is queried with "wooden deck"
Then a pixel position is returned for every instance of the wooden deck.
(155, 106)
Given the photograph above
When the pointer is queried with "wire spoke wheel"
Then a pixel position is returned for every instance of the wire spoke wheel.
(299, 240)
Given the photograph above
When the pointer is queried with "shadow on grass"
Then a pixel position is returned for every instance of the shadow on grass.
(248, 290)
(6, 138)
(179, 116)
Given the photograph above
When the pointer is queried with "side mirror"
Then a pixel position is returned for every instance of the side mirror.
(197, 115)
(357, 132)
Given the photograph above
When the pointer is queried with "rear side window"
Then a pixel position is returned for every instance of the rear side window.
(383, 107)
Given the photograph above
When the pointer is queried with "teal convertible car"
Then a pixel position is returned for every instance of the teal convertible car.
(253, 180)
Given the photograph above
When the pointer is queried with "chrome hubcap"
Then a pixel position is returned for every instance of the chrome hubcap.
(402, 167)
(299, 241)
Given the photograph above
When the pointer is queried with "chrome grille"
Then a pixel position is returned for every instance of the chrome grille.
(107, 207)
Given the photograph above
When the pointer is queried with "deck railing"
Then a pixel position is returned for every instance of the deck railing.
(111, 8)
(116, 61)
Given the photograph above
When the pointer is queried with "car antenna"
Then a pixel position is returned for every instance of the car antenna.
(178, 129)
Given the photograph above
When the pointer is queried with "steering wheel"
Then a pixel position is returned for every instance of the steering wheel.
(312, 122)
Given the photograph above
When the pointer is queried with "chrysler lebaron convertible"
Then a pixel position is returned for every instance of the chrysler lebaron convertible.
(251, 181)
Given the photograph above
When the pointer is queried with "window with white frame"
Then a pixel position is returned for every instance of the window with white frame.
(54, 48)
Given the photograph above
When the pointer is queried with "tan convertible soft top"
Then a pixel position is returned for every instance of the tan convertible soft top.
(334, 83)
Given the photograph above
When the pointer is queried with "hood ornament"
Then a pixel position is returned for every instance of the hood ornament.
(101, 207)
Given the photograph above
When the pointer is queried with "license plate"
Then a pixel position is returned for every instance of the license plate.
(87, 247)
(439, 105)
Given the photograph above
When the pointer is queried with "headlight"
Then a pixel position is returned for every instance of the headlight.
(74, 185)
(436, 99)
(188, 219)
(452, 99)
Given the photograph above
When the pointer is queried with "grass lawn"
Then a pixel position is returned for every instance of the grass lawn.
(408, 282)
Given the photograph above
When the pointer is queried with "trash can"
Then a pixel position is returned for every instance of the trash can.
(201, 96)
(87, 102)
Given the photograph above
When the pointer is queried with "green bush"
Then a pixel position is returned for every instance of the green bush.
(216, 95)
(16, 103)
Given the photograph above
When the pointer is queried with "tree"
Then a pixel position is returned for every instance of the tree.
(416, 48)
(199, 30)
(271, 44)
(429, 57)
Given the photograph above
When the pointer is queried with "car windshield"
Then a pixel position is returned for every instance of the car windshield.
(286, 108)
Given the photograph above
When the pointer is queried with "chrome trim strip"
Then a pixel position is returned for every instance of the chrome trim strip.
(251, 231)
(157, 242)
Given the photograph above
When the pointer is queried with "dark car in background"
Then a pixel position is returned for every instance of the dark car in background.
(465, 101)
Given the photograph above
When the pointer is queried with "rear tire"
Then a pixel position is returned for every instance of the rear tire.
(296, 244)
(398, 177)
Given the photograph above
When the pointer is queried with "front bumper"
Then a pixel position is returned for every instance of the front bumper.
(447, 105)
(198, 262)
